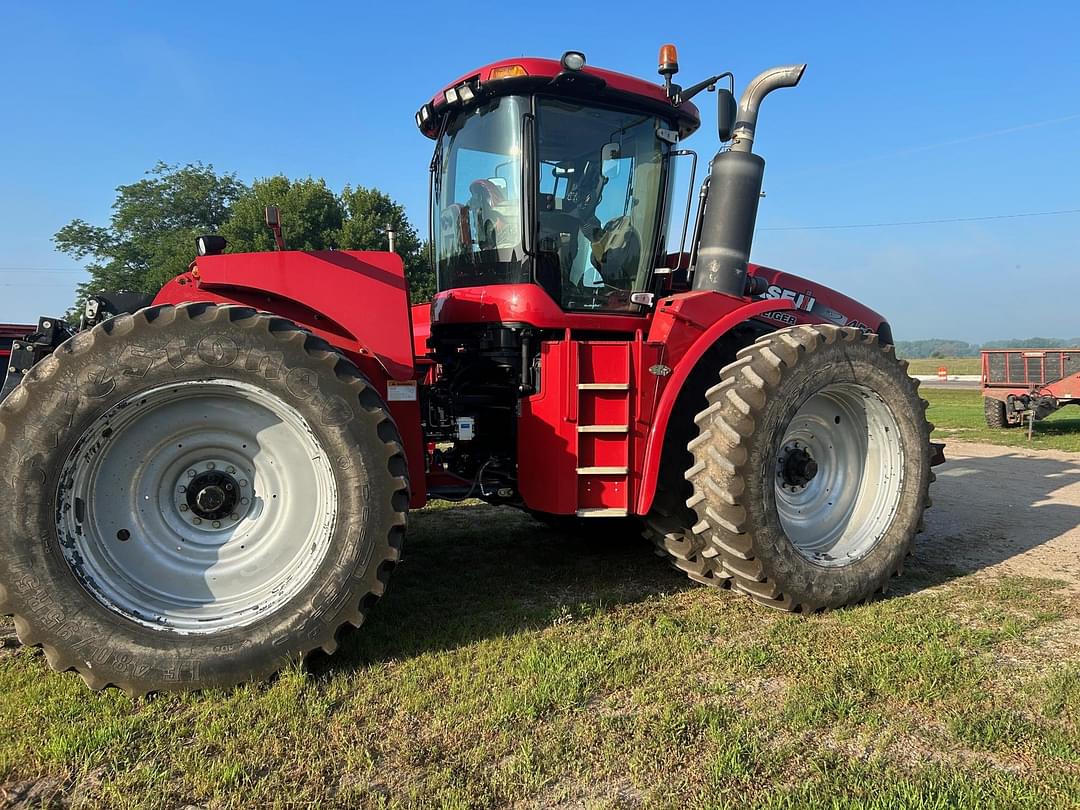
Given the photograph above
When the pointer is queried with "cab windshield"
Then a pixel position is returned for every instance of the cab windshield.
(476, 198)
(597, 178)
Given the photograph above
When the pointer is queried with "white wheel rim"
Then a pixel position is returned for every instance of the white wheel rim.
(836, 515)
(136, 540)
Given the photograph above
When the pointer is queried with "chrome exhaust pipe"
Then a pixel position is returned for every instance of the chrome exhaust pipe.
(742, 139)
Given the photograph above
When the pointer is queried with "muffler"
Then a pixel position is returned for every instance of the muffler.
(736, 175)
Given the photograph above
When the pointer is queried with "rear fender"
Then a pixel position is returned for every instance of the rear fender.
(357, 301)
(687, 326)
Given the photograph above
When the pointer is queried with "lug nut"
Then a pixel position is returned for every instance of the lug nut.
(231, 470)
(217, 524)
(233, 516)
(190, 473)
(197, 521)
(209, 465)
(183, 488)
(243, 482)
(183, 507)
(244, 501)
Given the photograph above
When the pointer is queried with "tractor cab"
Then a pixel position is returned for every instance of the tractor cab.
(550, 173)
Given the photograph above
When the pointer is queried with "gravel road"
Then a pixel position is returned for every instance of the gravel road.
(1007, 510)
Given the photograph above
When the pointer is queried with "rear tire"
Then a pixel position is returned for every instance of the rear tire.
(812, 468)
(685, 551)
(194, 591)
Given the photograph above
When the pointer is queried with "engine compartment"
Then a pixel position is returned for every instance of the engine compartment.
(470, 409)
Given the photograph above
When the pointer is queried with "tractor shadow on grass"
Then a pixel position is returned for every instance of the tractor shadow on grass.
(477, 572)
(992, 507)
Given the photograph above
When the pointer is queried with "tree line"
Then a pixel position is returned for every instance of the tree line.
(940, 347)
(151, 233)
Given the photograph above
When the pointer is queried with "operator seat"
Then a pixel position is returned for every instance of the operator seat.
(488, 204)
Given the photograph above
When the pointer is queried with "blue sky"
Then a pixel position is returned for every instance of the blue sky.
(907, 112)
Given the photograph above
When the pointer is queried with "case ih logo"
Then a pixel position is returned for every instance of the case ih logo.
(807, 302)
(803, 300)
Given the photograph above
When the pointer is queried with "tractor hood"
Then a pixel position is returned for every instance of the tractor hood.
(816, 303)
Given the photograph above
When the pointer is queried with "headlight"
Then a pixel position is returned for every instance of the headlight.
(573, 60)
(210, 245)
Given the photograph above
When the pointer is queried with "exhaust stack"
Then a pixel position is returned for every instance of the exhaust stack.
(727, 226)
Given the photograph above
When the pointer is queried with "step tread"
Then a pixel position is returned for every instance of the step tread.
(602, 386)
(603, 428)
(602, 470)
(601, 511)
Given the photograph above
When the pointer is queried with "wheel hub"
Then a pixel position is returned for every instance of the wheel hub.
(797, 467)
(212, 495)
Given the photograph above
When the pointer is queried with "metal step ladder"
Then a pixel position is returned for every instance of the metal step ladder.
(604, 394)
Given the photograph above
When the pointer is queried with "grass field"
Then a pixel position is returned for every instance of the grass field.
(511, 665)
(955, 365)
(959, 415)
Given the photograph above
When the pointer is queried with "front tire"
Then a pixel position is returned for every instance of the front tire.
(195, 497)
(812, 468)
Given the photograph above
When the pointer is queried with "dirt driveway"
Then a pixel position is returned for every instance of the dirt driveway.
(1003, 509)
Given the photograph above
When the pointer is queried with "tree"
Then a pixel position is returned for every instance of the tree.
(311, 216)
(150, 236)
(314, 218)
(368, 213)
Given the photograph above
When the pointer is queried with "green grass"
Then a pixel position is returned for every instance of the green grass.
(512, 665)
(959, 415)
(955, 365)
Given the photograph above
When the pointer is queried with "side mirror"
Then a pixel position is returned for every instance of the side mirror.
(273, 222)
(726, 110)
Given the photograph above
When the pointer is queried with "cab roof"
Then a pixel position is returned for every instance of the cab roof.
(548, 75)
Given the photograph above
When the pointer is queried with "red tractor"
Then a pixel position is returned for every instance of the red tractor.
(203, 489)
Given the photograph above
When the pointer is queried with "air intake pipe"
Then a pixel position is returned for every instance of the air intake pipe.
(727, 226)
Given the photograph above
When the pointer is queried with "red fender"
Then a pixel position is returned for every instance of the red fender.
(740, 313)
(358, 301)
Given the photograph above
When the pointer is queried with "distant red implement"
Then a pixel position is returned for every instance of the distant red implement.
(1038, 382)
